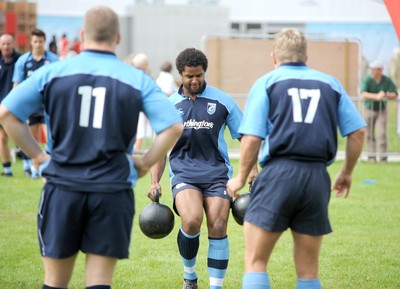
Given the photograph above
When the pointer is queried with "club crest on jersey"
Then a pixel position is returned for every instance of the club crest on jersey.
(211, 108)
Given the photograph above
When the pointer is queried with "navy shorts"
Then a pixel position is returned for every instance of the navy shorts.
(208, 190)
(36, 118)
(291, 194)
(95, 223)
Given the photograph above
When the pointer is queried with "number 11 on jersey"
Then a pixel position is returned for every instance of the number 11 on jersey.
(88, 93)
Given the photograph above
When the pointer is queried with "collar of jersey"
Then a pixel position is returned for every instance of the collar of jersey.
(293, 64)
(99, 52)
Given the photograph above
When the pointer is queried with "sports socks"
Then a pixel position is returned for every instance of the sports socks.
(218, 257)
(308, 284)
(7, 168)
(255, 280)
(26, 163)
(34, 172)
(99, 287)
(188, 247)
(49, 287)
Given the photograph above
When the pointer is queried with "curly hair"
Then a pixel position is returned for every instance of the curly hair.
(191, 57)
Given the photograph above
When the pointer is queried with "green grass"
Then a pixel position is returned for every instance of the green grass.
(363, 252)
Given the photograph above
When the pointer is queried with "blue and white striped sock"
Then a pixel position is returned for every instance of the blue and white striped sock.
(218, 257)
(26, 164)
(7, 168)
(188, 247)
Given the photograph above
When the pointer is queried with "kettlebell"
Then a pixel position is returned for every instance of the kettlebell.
(239, 207)
(156, 220)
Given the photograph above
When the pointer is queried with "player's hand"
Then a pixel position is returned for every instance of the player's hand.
(141, 168)
(37, 162)
(234, 185)
(154, 186)
(342, 185)
(40, 159)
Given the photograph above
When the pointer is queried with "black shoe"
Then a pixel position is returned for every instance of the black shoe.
(27, 173)
(190, 284)
(7, 174)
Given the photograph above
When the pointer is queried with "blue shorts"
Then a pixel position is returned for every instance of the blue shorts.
(95, 223)
(36, 118)
(208, 190)
(291, 194)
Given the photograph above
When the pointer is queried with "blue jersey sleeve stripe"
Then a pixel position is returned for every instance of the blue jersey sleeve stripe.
(256, 112)
(23, 105)
(349, 119)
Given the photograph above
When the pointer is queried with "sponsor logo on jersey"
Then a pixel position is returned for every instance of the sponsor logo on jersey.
(180, 111)
(194, 124)
(211, 108)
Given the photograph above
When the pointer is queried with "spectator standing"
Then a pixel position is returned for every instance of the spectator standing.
(93, 101)
(64, 46)
(53, 45)
(376, 89)
(296, 111)
(8, 58)
(165, 79)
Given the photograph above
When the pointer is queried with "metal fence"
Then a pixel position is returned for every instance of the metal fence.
(392, 128)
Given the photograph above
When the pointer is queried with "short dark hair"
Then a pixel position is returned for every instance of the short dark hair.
(38, 32)
(191, 57)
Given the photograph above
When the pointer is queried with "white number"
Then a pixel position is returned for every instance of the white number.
(87, 92)
(303, 94)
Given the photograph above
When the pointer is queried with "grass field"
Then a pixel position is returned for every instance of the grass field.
(363, 252)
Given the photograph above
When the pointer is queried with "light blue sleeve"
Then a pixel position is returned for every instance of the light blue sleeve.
(349, 119)
(234, 120)
(18, 74)
(157, 107)
(24, 99)
(52, 57)
(255, 116)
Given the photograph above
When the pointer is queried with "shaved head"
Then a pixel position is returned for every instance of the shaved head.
(100, 25)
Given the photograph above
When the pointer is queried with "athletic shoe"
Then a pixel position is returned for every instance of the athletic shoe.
(27, 173)
(190, 284)
(7, 174)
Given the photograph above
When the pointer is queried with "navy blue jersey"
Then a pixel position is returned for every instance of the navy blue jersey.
(92, 103)
(297, 111)
(201, 154)
(6, 74)
(26, 65)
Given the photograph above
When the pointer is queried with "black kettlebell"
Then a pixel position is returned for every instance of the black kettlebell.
(156, 220)
(239, 207)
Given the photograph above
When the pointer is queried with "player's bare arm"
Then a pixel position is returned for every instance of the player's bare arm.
(19, 132)
(249, 148)
(354, 144)
(156, 173)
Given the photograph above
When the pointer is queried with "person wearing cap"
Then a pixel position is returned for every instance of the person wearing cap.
(376, 89)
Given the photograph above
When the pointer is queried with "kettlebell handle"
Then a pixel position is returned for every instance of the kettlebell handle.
(156, 195)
